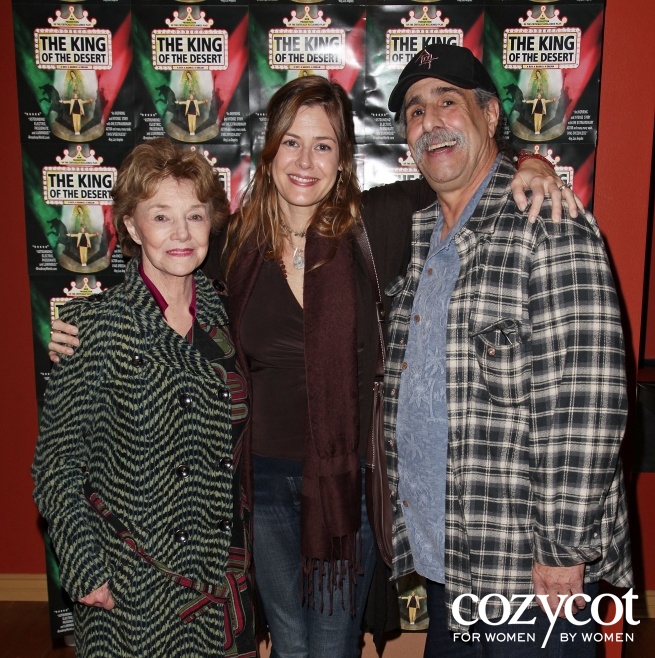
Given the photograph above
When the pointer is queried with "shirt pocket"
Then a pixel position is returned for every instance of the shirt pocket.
(398, 314)
(504, 356)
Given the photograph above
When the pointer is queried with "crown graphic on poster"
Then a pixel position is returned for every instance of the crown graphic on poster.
(71, 293)
(72, 20)
(424, 20)
(306, 20)
(210, 158)
(536, 149)
(408, 161)
(79, 158)
(407, 170)
(85, 291)
(542, 20)
(189, 21)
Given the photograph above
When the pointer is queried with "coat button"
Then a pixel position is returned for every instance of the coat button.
(181, 536)
(224, 394)
(491, 351)
(417, 318)
(137, 361)
(404, 366)
(185, 401)
(182, 471)
(225, 525)
(226, 463)
(218, 285)
(405, 503)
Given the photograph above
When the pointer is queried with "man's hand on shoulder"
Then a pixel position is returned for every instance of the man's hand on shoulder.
(63, 340)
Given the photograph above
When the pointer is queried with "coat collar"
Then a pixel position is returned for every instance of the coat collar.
(162, 341)
(147, 313)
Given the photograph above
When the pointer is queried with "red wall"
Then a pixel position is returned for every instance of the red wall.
(22, 550)
(649, 338)
(621, 205)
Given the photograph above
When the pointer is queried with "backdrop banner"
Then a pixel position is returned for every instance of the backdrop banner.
(97, 78)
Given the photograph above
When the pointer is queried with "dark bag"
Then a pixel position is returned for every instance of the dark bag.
(378, 493)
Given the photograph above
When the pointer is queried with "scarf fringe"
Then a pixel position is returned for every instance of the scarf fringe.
(333, 573)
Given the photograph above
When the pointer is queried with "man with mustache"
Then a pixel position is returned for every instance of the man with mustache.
(505, 388)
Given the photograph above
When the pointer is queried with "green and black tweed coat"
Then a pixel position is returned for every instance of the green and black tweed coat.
(140, 412)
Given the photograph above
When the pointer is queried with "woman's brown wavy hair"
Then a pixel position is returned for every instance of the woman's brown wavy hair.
(337, 213)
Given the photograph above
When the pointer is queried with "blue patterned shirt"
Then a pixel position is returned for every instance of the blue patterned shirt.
(422, 425)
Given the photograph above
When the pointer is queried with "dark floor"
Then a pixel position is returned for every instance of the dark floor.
(25, 633)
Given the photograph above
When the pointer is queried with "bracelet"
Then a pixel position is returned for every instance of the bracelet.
(526, 155)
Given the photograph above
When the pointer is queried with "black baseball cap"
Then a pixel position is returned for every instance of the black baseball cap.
(454, 64)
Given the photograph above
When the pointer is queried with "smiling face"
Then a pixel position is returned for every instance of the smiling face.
(306, 165)
(172, 227)
(450, 136)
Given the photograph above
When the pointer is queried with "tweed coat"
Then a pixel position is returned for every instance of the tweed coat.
(148, 418)
(536, 397)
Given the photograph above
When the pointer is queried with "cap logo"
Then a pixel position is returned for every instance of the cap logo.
(426, 58)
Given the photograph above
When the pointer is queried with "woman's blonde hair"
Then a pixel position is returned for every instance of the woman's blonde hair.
(143, 170)
(258, 214)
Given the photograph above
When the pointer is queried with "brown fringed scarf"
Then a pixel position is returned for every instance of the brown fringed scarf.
(331, 475)
(331, 491)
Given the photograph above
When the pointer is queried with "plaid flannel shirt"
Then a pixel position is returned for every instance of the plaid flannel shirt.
(536, 402)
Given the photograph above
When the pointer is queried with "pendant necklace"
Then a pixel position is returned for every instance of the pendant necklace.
(298, 258)
(298, 252)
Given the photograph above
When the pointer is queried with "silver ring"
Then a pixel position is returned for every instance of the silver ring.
(561, 187)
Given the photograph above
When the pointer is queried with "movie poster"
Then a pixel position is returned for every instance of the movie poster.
(291, 40)
(74, 63)
(68, 207)
(97, 78)
(412, 603)
(545, 61)
(191, 66)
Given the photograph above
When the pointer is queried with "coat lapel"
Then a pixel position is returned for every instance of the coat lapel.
(157, 338)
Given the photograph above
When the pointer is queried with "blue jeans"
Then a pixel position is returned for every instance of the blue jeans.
(440, 642)
(299, 631)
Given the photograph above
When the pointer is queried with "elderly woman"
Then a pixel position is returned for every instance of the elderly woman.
(136, 467)
(302, 313)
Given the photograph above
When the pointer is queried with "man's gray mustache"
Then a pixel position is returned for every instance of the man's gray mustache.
(435, 137)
